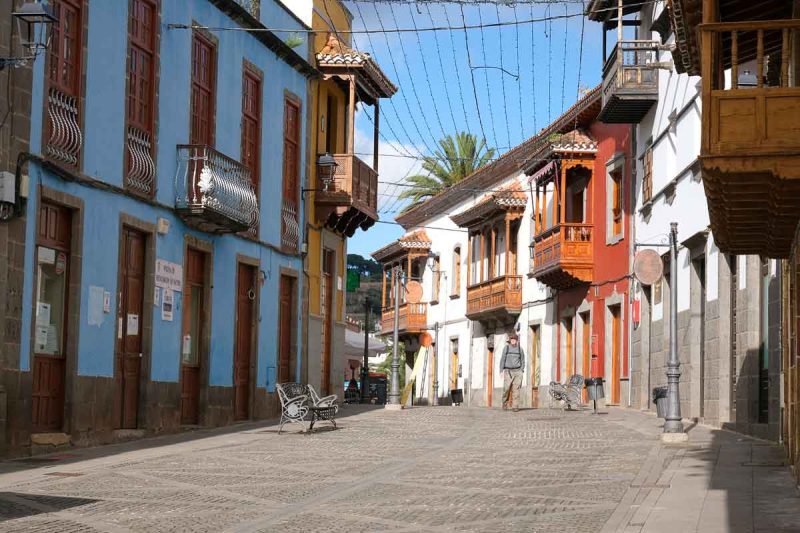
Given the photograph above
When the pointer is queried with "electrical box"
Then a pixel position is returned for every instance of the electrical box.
(7, 186)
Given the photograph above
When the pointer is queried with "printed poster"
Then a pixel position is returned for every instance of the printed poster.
(167, 304)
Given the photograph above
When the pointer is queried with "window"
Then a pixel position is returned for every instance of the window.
(437, 278)
(616, 202)
(53, 255)
(64, 52)
(204, 67)
(251, 124)
(291, 149)
(455, 289)
(647, 180)
(142, 32)
(141, 58)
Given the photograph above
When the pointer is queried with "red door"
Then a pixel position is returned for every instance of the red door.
(192, 335)
(129, 328)
(242, 356)
(52, 283)
(285, 370)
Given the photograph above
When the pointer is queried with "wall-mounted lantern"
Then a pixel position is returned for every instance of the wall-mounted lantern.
(35, 28)
(326, 168)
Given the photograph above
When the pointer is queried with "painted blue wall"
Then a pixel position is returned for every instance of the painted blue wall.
(103, 159)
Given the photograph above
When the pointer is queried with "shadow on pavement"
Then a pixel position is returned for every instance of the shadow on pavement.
(16, 505)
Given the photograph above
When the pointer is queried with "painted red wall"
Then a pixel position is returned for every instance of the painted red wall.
(611, 262)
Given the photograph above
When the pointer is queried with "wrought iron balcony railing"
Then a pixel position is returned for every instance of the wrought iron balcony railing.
(141, 167)
(213, 191)
(65, 136)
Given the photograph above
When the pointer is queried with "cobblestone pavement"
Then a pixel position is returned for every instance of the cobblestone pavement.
(423, 469)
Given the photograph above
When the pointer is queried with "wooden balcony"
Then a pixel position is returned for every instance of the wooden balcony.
(350, 200)
(498, 299)
(413, 319)
(630, 82)
(563, 255)
(213, 192)
(750, 155)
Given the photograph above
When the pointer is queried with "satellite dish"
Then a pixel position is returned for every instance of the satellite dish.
(648, 267)
(413, 292)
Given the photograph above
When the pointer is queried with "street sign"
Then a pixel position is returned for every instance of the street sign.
(413, 292)
(648, 267)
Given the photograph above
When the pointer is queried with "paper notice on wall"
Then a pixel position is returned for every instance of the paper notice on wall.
(106, 302)
(119, 328)
(187, 345)
(157, 297)
(169, 275)
(47, 256)
(42, 314)
(95, 311)
(132, 324)
(41, 338)
(167, 304)
(51, 346)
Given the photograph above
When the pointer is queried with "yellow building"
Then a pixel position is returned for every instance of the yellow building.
(343, 195)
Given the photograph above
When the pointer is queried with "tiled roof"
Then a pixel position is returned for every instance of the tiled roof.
(508, 197)
(582, 112)
(416, 240)
(338, 55)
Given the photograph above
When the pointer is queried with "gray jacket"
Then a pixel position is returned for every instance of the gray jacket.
(513, 357)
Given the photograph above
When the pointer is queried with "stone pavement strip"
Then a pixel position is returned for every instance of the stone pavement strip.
(422, 469)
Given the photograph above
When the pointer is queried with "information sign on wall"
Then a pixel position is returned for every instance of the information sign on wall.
(169, 275)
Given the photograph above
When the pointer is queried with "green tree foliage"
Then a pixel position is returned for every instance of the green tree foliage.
(457, 158)
(386, 366)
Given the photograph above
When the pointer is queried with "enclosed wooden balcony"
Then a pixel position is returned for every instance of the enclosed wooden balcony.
(349, 200)
(563, 255)
(413, 319)
(213, 192)
(630, 82)
(497, 299)
(750, 155)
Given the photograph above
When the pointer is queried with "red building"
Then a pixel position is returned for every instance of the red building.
(582, 185)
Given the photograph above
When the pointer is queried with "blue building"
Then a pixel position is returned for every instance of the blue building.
(163, 269)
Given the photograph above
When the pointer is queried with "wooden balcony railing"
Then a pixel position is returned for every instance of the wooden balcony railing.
(413, 318)
(750, 150)
(214, 192)
(630, 81)
(502, 294)
(354, 184)
(562, 252)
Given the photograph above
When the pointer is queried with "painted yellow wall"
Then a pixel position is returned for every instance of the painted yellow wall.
(314, 259)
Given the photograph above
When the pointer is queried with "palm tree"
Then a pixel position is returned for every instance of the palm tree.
(458, 158)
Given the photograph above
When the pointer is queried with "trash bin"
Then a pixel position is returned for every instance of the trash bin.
(457, 396)
(594, 387)
(660, 399)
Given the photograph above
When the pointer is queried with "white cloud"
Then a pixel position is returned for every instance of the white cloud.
(394, 165)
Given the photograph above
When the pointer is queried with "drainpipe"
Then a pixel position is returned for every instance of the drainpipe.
(632, 250)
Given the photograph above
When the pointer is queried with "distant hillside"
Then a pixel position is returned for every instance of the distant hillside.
(369, 271)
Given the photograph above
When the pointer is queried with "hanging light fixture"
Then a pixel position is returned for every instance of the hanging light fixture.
(326, 169)
(35, 23)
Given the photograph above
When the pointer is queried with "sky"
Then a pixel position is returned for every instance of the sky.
(522, 76)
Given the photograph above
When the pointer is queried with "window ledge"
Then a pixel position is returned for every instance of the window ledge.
(455, 296)
(433, 302)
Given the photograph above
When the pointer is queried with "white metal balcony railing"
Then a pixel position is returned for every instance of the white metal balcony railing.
(209, 180)
(141, 167)
(290, 225)
(65, 137)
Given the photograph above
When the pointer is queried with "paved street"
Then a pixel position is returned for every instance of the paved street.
(423, 469)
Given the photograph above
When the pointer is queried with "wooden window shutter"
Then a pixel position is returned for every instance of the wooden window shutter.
(204, 66)
(647, 180)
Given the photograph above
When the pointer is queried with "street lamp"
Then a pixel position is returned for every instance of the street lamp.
(326, 168)
(673, 426)
(35, 27)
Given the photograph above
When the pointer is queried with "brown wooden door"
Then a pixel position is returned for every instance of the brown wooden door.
(52, 302)
(489, 376)
(285, 369)
(535, 370)
(242, 356)
(616, 346)
(192, 335)
(569, 346)
(129, 327)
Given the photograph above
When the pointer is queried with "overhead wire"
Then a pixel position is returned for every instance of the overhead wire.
(472, 74)
(486, 79)
(455, 62)
(502, 77)
(519, 79)
(441, 71)
(564, 62)
(533, 73)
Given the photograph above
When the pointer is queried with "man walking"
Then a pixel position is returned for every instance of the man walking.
(512, 363)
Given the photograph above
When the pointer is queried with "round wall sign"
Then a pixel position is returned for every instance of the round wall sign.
(413, 292)
(648, 267)
(61, 263)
